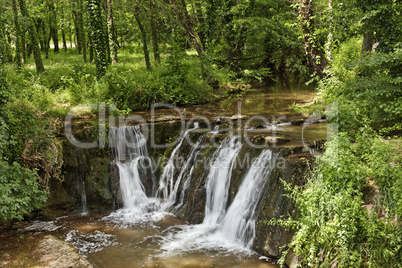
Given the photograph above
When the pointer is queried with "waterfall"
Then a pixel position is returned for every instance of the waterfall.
(186, 171)
(233, 229)
(218, 180)
(133, 163)
(238, 225)
(84, 199)
(166, 182)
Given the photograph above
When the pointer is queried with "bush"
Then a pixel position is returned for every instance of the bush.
(176, 82)
(333, 228)
(368, 92)
(20, 191)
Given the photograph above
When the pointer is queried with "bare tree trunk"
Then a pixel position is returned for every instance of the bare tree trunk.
(112, 36)
(17, 37)
(33, 36)
(144, 40)
(23, 47)
(314, 54)
(63, 35)
(367, 45)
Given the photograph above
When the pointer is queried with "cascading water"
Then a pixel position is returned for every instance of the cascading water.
(238, 225)
(232, 228)
(186, 172)
(166, 182)
(236, 229)
(134, 163)
(219, 179)
(84, 199)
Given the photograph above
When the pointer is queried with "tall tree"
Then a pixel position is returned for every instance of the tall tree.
(17, 36)
(81, 29)
(314, 54)
(330, 30)
(112, 35)
(154, 31)
(143, 35)
(180, 7)
(98, 36)
(53, 33)
(33, 37)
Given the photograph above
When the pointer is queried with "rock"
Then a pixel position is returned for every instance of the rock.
(258, 126)
(297, 122)
(291, 259)
(276, 140)
(59, 254)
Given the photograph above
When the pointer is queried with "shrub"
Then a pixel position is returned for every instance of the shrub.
(333, 228)
(368, 92)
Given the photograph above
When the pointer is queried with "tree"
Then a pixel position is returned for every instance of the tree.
(112, 36)
(53, 33)
(143, 35)
(33, 37)
(155, 41)
(98, 36)
(313, 51)
(180, 7)
(17, 37)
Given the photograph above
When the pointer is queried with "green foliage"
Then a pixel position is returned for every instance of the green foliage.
(99, 39)
(25, 126)
(20, 191)
(255, 38)
(368, 92)
(178, 81)
(332, 226)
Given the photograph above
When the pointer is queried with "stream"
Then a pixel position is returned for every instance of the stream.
(144, 231)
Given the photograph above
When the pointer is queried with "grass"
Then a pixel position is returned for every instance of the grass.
(68, 81)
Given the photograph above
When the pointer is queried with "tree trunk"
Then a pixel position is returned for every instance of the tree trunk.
(154, 32)
(367, 45)
(53, 26)
(144, 40)
(23, 47)
(98, 36)
(330, 30)
(314, 54)
(76, 18)
(81, 30)
(188, 25)
(63, 35)
(33, 36)
(17, 37)
(112, 36)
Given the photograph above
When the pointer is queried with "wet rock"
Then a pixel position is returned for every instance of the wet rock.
(270, 238)
(57, 253)
(115, 184)
(297, 122)
(276, 140)
(258, 126)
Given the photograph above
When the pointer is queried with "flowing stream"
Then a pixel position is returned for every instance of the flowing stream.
(146, 232)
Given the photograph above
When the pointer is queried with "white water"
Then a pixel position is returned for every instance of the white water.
(238, 225)
(84, 199)
(232, 229)
(218, 180)
(186, 171)
(133, 163)
(236, 231)
(166, 182)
